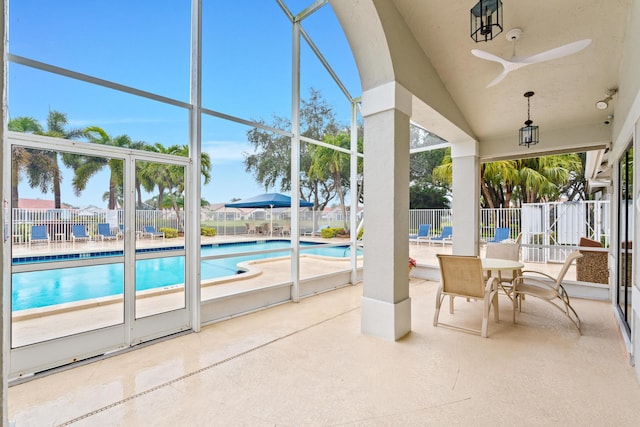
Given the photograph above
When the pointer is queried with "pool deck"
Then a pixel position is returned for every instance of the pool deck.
(425, 254)
(309, 364)
(30, 326)
(37, 326)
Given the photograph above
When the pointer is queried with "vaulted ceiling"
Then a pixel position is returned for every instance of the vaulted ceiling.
(566, 89)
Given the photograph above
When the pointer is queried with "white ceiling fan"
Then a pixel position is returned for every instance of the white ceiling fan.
(516, 62)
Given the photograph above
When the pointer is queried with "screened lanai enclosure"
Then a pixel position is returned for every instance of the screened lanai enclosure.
(115, 173)
(119, 181)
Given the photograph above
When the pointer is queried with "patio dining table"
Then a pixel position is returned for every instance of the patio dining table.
(493, 265)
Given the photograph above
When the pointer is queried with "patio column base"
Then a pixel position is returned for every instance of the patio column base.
(386, 320)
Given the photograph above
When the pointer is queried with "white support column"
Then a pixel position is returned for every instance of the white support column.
(386, 306)
(353, 180)
(193, 191)
(466, 198)
(295, 162)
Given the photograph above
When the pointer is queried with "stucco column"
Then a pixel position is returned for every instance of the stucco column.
(386, 306)
(466, 198)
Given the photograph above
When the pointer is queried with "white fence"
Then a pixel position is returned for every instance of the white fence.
(59, 222)
(549, 231)
(233, 221)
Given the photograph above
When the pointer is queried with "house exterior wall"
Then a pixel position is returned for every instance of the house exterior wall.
(626, 128)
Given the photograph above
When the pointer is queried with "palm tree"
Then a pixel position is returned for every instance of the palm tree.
(158, 175)
(171, 178)
(527, 180)
(87, 166)
(140, 170)
(56, 122)
(119, 196)
(334, 164)
(20, 156)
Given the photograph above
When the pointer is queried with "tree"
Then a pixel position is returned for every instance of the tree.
(421, 164)
(576, 188)
(20, 156)
(542, 178)
(521, 181)
(41, 166)
(332, 166)
(119, 196)
(270, 161)
(86, 167)
(424, 195)
(139, 145)
(169, 179)
(56, 123)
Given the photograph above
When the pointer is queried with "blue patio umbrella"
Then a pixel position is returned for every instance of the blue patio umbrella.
(268, 200)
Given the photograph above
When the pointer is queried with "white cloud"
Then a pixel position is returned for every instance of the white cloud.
(226, 151)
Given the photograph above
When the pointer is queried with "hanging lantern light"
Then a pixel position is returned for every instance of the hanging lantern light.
(528, 133)
(486, 20)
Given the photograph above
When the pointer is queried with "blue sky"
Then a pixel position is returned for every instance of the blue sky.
(144, 44)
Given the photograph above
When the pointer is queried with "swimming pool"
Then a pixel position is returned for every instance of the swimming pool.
(38, 289)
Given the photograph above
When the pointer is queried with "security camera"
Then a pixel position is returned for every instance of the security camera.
(608, 120)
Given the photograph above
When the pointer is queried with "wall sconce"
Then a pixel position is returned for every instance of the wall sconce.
(529, 134)
(486, 20)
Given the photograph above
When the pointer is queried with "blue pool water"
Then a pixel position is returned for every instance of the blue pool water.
(49, 287)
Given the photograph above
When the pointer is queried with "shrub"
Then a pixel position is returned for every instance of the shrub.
(328, 233)
(169, 233)
(208, 231)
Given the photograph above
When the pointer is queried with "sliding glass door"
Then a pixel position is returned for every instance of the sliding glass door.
(624, 282)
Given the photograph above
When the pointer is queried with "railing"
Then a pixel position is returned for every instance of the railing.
(59, 222)
(235, 222)
(548, 231)
(490, 219)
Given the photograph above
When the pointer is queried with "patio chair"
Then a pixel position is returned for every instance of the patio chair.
(251, 228)
(149, 230)
(318, 232)
(104, 232)
(39, 233)
(502, 233)
(546, 288)
(266, 228)
(285, 230)
(510, 251)
(79, 232)
(462, 277)
(423, 234)
(445, 235)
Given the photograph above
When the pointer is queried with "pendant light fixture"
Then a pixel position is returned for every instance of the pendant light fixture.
(528, 133)
(486, 20)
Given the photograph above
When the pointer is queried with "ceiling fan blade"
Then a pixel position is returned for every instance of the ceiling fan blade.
(507, 65)
(558, 52)
(488, 56)
(500, 77)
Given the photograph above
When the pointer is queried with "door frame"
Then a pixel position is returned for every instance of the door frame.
(33, 358)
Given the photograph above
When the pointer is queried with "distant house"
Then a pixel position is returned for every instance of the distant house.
(90, 211)
(30, 209)
(40, 204)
